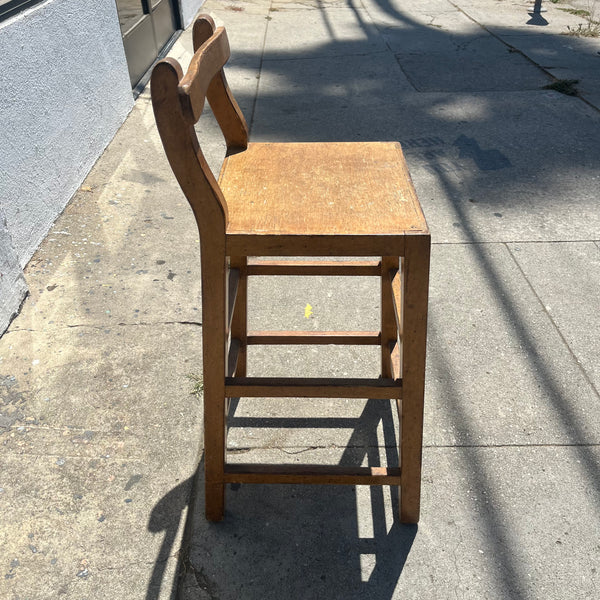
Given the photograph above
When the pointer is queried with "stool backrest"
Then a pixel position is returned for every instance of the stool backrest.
(178, 102)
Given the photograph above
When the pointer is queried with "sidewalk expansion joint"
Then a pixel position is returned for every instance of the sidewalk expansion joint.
(581, 368)
(260, 68)
(515, 445)
(75, 457)
(109, 325)
(520, 242)
(519, 51)
(325, 56)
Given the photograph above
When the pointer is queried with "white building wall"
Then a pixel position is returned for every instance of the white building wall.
(189, 9)
(64, 92)
(12, 283)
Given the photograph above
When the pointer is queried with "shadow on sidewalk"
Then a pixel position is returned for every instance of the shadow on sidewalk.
(309, 541)
(293, 540)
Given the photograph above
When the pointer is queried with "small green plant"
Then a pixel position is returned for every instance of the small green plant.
(579, 12)
(590, 29)
(564, 86)
(197, 384)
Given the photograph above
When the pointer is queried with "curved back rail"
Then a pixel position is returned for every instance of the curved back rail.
(219, 96)
(178, 102)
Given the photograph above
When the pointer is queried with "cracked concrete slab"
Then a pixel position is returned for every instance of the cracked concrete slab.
(99, 474)
(126, 542)
(473, 64)
(518, 15)
(102, 427)
(566, 279)
(13, 287)
(404, 13)
(102, 378)
(344, 32)
(506, 533)
(99, 263)
(565, 58)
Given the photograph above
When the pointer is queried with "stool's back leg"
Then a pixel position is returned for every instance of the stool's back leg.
(239, 327)
(389, 329)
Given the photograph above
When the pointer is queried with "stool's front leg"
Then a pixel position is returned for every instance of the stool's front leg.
(415, 285)
(214, 338)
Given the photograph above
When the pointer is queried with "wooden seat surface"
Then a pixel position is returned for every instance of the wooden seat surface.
(320, 189)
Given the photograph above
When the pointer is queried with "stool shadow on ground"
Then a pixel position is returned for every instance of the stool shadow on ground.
(299, 541)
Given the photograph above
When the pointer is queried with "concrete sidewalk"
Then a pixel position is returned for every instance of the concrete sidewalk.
(101, 435)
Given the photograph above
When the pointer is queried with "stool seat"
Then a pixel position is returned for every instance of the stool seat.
(335, 201)
(339, 188)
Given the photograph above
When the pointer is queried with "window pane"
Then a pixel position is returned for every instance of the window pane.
(12, 7)
(130, 12)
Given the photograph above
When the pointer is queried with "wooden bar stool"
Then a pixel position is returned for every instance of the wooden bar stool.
(300, 200)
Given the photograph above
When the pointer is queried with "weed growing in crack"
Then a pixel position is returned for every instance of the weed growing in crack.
(564, 86)
(197, 384)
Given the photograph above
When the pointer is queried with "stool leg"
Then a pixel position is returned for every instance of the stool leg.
(389, 330)
(239, 323)
(213, 356)
(415, 282)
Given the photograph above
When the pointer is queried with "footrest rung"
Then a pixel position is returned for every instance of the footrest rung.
(318, 474)
(354, 268)
(312, 387)
(351, 338)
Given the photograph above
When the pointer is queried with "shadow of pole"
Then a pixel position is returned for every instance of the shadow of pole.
(536, 15)
(509, 572)
(563, 406)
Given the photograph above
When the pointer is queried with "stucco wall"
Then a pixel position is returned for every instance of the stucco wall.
(189, 9)
(12, 282)
(64, 92)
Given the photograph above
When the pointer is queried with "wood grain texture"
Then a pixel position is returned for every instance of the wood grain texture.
(347, 338)
(389, 329)
(415, 282)
(312, 387)
(314, 245)
(202, 30)
(239, 320)
(320, 189)
(183, 152)
(298, 199)
(232, 294)
(205, 64)
(310, 268)
(219, 96)
(233, 357)
(311, 474)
